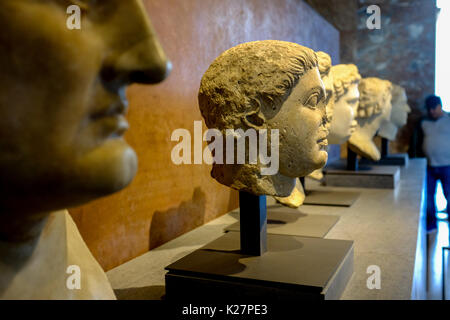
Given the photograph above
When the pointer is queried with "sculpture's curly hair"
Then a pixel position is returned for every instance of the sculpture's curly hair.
(251, 81)
(324, 63)
(375, 95)
(344, 75)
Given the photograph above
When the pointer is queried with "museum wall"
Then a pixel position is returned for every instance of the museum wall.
(166, 200)
(402, 51)
(341, 14)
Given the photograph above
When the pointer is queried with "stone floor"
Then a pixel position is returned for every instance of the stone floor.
(436, 241)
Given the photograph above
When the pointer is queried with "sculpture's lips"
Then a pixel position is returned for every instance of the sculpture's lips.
(323, 133)
(114, 108)
(323, 142)
(323, 137)
(353, 126)
(115, 126)
(112, 119)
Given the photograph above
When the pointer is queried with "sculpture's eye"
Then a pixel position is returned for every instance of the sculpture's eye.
(313, 100)
(352, 102)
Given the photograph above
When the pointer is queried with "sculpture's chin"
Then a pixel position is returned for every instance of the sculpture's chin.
(305, 168)
(338, 139)
(321, 160)
(107, 169)
(74, 181)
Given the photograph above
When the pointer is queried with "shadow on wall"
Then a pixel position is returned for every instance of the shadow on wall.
(167, 225)
(233, 200)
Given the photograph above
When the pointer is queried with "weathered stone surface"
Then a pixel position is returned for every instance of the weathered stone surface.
(267, 85)
(295, 199)
(399, 114)
(374, 109)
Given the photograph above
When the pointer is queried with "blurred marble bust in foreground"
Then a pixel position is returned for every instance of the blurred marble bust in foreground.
(399, 114)
(62, 121)
(266, 86)
(373, 112)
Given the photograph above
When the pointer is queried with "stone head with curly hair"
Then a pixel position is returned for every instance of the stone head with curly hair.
(399, 114)
(324, 61)
(267, 85)
(373, 112)
(375, 97)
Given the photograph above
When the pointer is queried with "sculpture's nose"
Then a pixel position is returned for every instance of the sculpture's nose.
(135, 54)
(145, 62)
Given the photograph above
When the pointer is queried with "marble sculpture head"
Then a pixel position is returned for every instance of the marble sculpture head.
(374, 110)
(399, 114)
(345, 79)
(266, 85)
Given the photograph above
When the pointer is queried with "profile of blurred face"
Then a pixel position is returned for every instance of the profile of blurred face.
(63, 101)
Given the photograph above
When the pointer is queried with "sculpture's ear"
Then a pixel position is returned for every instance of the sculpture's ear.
(254, 119)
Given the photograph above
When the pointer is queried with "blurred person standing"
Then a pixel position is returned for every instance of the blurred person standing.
(436, 147)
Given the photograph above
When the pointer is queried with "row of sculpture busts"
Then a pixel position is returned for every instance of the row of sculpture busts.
(275, 84)
(62, 120)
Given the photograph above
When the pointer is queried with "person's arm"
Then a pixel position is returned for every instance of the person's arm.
(420, 136)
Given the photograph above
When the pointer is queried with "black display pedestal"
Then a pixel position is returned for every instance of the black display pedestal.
(253, 224)
(352, 160)
(293, 268)
(399, 159)
(348, 173)
(287, 221)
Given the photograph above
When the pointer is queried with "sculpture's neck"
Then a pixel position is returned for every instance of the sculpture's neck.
(361, 140)
(20, 234)
(38, 268)
(248, 178)
(21, 227)
(388, 130)
(368, 127)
